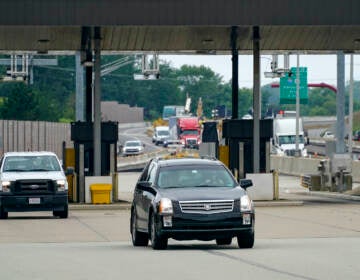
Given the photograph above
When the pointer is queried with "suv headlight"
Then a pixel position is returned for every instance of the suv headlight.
(61, 185)
(165, 206)
(5, 186)
(245, 203)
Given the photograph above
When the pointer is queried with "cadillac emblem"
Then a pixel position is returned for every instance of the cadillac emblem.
(207, 207)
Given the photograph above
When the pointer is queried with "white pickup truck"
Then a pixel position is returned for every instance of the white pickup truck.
(32, 181)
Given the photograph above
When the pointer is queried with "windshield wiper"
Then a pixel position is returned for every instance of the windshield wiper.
(172, 187)
(15, 170)
(206, 186)
(38, 169)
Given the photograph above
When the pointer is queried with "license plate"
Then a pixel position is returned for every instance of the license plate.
(34, 200)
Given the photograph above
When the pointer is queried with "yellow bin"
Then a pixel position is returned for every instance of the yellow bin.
(100, 193)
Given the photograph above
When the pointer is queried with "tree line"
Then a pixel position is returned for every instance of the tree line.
(51, 97)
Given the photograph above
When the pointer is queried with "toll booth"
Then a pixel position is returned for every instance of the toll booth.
(209, 140)
(82, 135)
(238, 136)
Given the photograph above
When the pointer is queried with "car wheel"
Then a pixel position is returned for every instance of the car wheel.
(62, 214)
(157, 242)
(138, 238)
(223, 241)
(3, 213)
(246, 239)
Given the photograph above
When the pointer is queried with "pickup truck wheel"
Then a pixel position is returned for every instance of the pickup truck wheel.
(62, 214)
(3, 214)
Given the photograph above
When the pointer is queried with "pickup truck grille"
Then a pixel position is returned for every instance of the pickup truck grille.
(207, 206)
(34, 186)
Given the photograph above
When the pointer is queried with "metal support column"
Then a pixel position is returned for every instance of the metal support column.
(351, 105)
(81, 178)
(235, 73)
(79, 96)
(297, 126)
(256, 100)
(340, 103)
(97, 103)
(88, 88)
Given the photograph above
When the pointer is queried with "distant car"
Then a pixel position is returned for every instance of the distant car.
(191, 198)
(247, 117)
(173, 145)
(356, 136)
(327, 134)
(32, 181)
(133, 147)
(161, 134)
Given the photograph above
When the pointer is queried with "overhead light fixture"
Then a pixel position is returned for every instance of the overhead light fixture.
(207, 41)
(150, 77)
(88, 63)
(43, 41)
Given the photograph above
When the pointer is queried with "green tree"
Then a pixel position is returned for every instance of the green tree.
(22, 103)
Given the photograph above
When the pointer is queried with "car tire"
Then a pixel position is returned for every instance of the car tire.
(62, 214)
(3, 213)
(157, 242)
(138, 238)
(223, 241)
(246, 239)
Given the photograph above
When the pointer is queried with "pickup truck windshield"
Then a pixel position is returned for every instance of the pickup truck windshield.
(31, 163)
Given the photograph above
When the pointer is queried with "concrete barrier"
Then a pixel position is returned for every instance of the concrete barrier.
(300, 166)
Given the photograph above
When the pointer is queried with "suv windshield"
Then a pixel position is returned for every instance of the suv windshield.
(184, 176)
(31, 163)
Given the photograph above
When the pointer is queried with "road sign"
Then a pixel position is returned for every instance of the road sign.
(288, 86)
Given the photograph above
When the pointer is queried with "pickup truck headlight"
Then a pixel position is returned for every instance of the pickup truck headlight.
(61, 185)
(245, 203)
(5, 186)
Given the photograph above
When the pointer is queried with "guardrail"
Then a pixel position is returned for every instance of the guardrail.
(138, 161)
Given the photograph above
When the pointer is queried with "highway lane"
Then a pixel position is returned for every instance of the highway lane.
(314, 241)
(138, 133)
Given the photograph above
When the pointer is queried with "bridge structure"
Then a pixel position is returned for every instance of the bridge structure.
(190, 26)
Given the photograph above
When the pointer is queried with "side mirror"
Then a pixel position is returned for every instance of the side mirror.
(69, 171)
(245, 183)
(143, 184)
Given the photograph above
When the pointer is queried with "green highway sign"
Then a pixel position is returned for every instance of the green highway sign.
(288, 86)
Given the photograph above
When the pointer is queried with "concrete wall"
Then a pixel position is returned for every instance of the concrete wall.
(122, 113)
(33, 136)
(299, 166)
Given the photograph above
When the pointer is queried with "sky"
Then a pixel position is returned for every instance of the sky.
(320, 68)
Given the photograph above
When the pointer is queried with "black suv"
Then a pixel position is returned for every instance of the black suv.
(191, 198)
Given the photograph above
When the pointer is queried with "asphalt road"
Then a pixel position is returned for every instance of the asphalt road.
(319, 240)
(137, 133)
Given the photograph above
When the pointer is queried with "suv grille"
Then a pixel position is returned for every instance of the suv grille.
(207, 206)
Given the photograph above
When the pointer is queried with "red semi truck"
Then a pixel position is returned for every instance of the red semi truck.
(188, 130)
